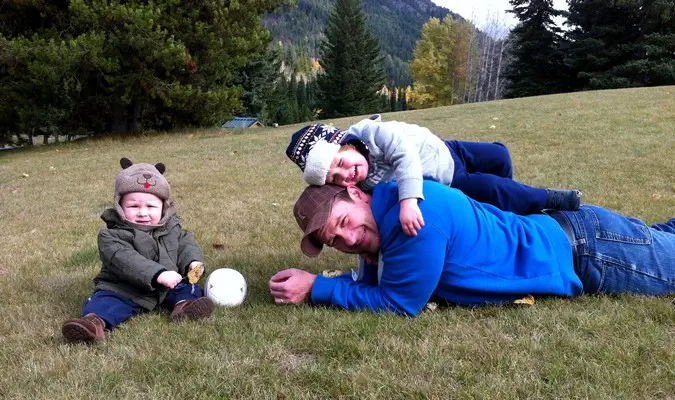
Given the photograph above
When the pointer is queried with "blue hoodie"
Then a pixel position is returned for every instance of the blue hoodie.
(468, 253)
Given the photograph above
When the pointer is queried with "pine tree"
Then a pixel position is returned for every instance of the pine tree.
(536, 61)
(351, 61)
(622, 44)
(125, 65)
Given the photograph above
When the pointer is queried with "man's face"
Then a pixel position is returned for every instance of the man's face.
(351, 228)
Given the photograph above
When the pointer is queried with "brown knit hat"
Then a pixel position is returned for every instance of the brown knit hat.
(146, 178)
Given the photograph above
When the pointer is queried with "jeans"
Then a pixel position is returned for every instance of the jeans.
(115, 309)
(484, 172)
(619, 254)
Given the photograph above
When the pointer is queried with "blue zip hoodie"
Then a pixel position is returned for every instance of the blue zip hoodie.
(467, 253)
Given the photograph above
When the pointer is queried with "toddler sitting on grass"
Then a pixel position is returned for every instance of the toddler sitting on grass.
(146, 257)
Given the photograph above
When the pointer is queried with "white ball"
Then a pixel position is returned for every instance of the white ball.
(226, 287)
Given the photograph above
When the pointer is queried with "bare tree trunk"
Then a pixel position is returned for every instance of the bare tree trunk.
(481, 70)
(492, 58)
(31, 137)
(498, 93)
(45, 138)
(469, 69)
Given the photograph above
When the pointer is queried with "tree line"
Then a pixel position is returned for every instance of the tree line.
(98, 66)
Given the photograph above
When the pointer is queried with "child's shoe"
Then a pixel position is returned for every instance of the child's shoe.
(88, 329)
(193, 309)
(563, 199)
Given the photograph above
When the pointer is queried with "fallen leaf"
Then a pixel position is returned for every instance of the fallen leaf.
(25, 175)
(331, 273)
(196, 272)
(33, 230)
(495, 118)
(529, 300)
(431, 306)
(656, 196)
(218, 245)
(52, 168)
(492, 127)
(275, 204)
(15, 190)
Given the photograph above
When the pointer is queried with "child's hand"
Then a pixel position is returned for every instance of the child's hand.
(169, 279)
(411, 217)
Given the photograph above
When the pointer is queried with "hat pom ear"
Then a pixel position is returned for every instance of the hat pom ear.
(125, 163)
(160, 167)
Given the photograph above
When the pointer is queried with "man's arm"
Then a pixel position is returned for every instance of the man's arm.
(410, 274)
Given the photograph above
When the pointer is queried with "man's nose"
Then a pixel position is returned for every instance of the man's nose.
(348, 237)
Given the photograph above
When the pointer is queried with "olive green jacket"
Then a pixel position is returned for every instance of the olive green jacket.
(133, 257)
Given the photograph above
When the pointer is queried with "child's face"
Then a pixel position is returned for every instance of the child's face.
(349, 167)
(142, 208)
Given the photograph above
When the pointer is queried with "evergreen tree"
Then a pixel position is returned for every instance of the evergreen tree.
(621, 44)
(352, 65)
(536, 61)
(121, 65)
(259, 81)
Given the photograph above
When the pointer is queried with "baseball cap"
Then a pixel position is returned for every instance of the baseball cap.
(311, 212)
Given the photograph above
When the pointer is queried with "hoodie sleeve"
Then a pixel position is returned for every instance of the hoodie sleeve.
(399, 151)
(123, 261)
(188, 251)
(412, 267)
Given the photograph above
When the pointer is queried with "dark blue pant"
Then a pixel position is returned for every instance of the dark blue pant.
(484, 172)
(115, 309)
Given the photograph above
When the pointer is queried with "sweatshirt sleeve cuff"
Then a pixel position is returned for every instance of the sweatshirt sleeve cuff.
(322, 291)
(410, 188)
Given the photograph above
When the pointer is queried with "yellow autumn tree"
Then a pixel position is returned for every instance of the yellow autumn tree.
(439, 67)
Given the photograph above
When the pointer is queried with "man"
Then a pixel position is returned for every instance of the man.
(470, 253)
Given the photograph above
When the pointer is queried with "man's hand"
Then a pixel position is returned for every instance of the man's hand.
(411, 217)
(169, 279)
(291, 286)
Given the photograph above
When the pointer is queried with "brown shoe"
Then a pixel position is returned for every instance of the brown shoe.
(193, 309)
(88, 329)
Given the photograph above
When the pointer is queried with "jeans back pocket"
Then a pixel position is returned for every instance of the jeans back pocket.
(617, 228)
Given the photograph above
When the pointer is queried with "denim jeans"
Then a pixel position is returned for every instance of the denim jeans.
(115, 309)
(619, 254)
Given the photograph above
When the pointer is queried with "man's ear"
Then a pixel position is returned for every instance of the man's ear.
(356, 194)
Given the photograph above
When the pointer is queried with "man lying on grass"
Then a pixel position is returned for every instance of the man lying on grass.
(470, 253)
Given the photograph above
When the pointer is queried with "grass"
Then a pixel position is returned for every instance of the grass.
(237, 189)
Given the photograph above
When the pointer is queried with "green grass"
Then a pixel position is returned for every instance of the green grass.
(237, 189)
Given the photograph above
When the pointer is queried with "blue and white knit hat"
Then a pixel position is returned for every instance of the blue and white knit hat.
(313, 149)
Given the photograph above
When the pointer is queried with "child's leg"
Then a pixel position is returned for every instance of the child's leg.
(505, 193)
(103, 310)
(111, 308)
(188, 301)
(668, 226)
(498, 188)
(487, 158)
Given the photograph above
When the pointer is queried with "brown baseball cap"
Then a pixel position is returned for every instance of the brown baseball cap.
(311, 211)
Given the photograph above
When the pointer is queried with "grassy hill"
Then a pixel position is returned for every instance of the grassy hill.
(237, 189)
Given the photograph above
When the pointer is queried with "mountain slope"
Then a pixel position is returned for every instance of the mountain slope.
(397, 23)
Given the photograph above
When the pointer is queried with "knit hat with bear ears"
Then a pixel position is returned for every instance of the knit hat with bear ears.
(144, 178)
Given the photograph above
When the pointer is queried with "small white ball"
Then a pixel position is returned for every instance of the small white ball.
(226, 287)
